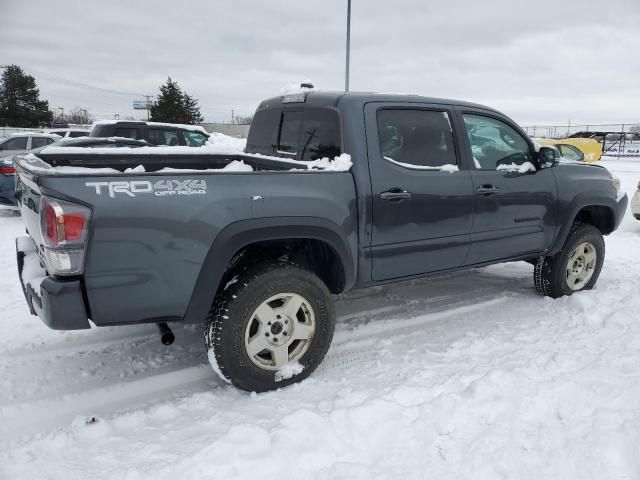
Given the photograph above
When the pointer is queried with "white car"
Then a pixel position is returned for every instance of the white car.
(68, 132)
(635, 203)
(24, 141)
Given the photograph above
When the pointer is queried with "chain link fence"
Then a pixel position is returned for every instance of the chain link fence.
(617, 139)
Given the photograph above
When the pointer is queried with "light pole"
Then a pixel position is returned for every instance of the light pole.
(61, 114)
(85, 116)
(346, 69)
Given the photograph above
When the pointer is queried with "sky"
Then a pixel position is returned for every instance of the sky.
(540, 62)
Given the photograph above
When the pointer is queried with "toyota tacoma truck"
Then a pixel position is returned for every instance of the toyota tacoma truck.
(419, 186)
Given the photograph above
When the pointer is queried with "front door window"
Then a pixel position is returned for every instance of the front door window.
(494, 143)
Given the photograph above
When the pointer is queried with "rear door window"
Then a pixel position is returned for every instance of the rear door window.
(77, 134)
(416, 138)
(17, 143)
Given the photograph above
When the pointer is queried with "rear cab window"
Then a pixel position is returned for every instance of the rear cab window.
(306, 133)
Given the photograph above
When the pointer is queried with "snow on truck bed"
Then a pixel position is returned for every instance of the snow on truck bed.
(218, 145)
(465, 376)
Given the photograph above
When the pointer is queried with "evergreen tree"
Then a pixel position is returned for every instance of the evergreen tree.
(192, 110)
(20, 104)
(175, 106)
(169, 106)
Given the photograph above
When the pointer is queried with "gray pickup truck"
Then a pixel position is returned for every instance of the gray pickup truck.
(255, 255)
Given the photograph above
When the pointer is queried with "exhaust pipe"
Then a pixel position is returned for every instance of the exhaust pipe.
(166, 335)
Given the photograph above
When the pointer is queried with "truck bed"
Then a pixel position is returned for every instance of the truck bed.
(151, 232)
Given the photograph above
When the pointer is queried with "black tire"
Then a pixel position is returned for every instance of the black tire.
(550, 275)
(232, 310)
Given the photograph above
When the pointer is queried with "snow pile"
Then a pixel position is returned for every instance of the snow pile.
(341, 163)
(288, 371)
(220, 140)
(514, 167)
(232, 166)
(293, 88)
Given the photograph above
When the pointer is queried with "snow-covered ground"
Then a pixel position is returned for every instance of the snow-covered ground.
(465, 376)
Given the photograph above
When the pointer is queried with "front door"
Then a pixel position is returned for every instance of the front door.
(515, 203)
(422, 198)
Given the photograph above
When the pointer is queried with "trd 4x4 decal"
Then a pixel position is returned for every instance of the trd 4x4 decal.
(161, 188)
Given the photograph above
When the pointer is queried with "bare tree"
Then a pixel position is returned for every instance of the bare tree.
(79, 116)
(244, 120)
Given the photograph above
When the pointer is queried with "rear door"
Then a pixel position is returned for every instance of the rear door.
(14, 145)
(422, 194)
(515, 203)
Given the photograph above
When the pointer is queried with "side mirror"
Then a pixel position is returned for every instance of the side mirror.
(547, 157)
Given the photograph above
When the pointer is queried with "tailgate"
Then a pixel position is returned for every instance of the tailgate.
(28, 195)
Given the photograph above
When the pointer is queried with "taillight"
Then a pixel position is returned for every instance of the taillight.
(64, 231)
(7, 170)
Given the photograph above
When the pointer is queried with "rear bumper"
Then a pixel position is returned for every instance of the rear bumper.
(58, 303)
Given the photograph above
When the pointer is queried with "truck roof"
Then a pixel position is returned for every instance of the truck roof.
(358, 99)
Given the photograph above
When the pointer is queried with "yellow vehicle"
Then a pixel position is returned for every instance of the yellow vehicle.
(581, 149)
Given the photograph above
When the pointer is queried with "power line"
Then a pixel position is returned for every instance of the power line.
(86, 86)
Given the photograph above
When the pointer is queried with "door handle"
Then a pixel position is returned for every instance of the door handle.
(487, 190)
(395, 195)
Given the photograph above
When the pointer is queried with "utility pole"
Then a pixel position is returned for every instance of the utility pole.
(148, 97)
(61, 113)
(233, 116)
(85, 117)
(346, 69)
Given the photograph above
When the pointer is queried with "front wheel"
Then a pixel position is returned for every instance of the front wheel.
(270, 327)
(575, 268)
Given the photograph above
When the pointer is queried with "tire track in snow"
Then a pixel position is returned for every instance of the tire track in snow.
(344, 353)
(19, 418)
(32, 417)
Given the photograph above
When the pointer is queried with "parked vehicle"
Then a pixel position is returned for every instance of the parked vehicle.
(7, 169)
(635, 203)
(577, 149)
(22, 142)
(17, 143)
(168, 134)
(434, 186)
(69, 132)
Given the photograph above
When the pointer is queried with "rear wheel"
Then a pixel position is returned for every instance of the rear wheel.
(575, 268)
(270, 327)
